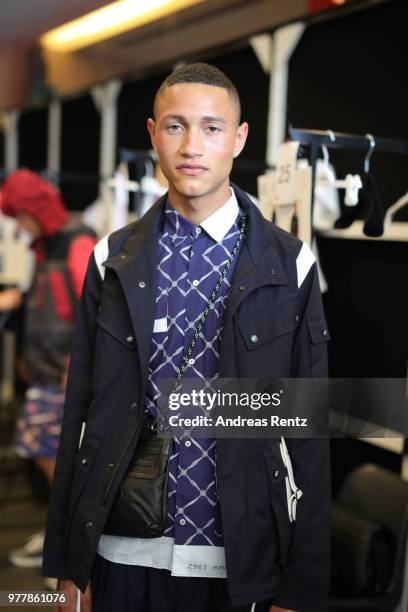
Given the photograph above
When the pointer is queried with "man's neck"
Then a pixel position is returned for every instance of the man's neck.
(198, 209)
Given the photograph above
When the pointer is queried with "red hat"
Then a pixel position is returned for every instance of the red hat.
(26, 192)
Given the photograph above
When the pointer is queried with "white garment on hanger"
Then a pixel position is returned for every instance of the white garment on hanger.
(326, 208)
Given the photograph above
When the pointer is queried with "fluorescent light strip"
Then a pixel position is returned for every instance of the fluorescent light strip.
(113, 19)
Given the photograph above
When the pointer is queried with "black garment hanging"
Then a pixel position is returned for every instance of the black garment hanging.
(369, 207)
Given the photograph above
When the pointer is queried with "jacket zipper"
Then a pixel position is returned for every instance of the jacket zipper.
(119, 463)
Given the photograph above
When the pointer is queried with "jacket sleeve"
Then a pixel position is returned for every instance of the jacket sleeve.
(305, 580)
(77, 401)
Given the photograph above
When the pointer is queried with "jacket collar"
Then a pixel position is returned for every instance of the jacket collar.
(259, 242)
(261, 256)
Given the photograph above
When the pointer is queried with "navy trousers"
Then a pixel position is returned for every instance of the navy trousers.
(132, 588)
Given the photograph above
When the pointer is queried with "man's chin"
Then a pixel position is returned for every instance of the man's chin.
(192, 190)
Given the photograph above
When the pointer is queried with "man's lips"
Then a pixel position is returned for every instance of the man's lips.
(191, 169)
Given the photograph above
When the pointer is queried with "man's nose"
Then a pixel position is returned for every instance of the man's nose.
(192, 145)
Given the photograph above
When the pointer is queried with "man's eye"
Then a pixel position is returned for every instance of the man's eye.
(213, 129)
(174, 128)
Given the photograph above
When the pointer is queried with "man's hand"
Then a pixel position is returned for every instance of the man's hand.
(277, 609)
(10, 299)
(71, 590)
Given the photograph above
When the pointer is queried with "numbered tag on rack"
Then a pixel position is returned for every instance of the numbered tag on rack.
(285, 184)
(266, 192)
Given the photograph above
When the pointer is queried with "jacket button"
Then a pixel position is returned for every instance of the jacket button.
(129, 339)
(142, 284)
(123, 256)
(274, 271)
(276, 474)
(89, 524)
(242, 288)
(111, 464)
(297, 318)
(324, 333)
(133, 405)
(253, 339)
(84, 461)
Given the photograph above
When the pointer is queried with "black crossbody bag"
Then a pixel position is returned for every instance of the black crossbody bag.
(139, 509)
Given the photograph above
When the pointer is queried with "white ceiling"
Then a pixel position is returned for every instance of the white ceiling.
(25, 20)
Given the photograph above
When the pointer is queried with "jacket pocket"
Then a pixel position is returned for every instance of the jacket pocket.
(261, 328)
(114, 318)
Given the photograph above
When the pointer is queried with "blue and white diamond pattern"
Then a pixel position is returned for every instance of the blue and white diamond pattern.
(189, 265)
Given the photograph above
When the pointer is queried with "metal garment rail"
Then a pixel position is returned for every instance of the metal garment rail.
(341, 140)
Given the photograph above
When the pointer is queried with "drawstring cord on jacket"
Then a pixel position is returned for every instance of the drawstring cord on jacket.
(293, 492)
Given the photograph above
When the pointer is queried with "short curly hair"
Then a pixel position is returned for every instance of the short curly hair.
(204, 74)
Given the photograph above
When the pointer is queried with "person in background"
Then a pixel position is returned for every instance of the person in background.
(62, 246)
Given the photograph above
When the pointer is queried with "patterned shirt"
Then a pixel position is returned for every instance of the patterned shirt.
(190, 260)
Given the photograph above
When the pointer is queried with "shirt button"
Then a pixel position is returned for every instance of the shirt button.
(182, 521)
(133, 405)
(191, 361)
(89, 524)
(253, 339)
(142, 284)
(324, 333)
(242, 288)
(198, 230)
(84, 461)
(187, 443)
(196, 283)
(123, 256)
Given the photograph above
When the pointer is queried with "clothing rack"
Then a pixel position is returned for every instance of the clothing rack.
(341, 140)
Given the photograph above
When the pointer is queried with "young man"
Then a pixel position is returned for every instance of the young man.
(229, 541)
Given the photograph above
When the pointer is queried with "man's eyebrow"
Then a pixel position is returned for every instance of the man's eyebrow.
(174, 118)
(205, 119)
(214, 119)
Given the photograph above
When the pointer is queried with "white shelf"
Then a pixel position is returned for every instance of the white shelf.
(395, 232)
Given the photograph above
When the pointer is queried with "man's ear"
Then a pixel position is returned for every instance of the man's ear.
(240, 138)
(151, 128)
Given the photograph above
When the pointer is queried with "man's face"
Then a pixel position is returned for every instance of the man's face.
(29, 224)
(196, 136)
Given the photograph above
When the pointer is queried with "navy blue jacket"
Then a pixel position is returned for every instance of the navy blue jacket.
(274, 296)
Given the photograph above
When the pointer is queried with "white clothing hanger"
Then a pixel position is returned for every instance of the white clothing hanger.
(369, 153)
(398, 205)
(352, 183)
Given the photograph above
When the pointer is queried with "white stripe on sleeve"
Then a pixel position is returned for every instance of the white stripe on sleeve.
(304, 262)
(101, 254)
